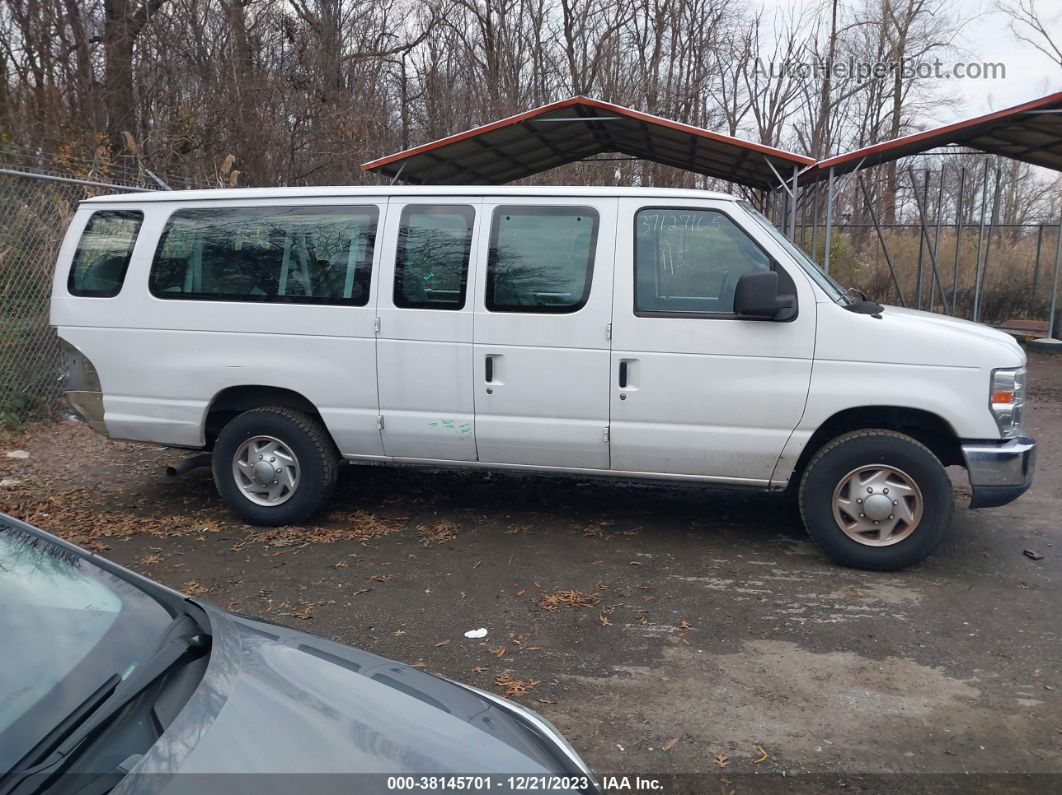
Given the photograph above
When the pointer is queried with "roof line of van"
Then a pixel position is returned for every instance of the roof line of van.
(339, 191)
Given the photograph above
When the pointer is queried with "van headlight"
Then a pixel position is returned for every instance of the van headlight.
(1007, 400)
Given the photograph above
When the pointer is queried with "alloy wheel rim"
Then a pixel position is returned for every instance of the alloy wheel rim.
(266, 470)
(877, 505)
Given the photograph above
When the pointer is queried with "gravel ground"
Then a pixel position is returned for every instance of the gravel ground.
(664, 630)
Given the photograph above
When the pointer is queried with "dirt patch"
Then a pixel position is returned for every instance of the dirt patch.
(707, 617)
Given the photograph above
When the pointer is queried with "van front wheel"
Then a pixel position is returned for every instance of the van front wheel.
(274, 466)
(876, 499)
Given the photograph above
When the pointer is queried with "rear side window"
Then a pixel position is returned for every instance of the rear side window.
(689, 261)
(431, 264)
(541, 258)
(103, 253)
(299, 255)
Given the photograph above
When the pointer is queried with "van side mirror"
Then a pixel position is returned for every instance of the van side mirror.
(756, 296)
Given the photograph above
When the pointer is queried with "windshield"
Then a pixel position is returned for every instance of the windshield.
(829, 286)
(67, 626)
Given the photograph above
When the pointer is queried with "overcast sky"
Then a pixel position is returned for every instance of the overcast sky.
(986, 38)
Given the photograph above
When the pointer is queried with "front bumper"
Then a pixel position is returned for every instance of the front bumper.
(999, 472)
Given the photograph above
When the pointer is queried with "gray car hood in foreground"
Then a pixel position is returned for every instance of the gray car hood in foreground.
(276, 703)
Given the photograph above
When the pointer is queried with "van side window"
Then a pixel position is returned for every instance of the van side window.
(690, 260)
(299, 255)
(431, 264)
(103, 253)
(541, 259)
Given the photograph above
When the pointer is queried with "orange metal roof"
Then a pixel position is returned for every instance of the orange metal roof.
(578, 128)
(1031, 132)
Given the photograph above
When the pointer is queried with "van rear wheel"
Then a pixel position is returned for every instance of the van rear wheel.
(274, 466)
(876, 499)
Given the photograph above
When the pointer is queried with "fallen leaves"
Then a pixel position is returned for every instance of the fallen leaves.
(603, 620)
(442, 532)
(594, 530)
(357, 526)
(194, 588)
(442, 643)
(497, 651)
(721, 759)
(667, 746)
(764, 756)
(303, 613)
(551, 601)
(515, 688)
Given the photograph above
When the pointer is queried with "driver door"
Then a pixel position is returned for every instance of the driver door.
(695, 390)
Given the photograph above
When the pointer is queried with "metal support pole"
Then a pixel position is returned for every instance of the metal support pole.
(936, 245)
(829, 221)
(993, 228)
(1036, 266)
(1054, 279)
(815, 220)
(958, 236)
(881, 239)
(923, 234)
(925, 231)
(793, 205)
(980, 240)
(803, 218)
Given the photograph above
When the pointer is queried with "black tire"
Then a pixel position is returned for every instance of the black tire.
(304, 436)
(847, 453)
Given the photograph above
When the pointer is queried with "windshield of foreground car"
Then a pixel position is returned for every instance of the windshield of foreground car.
(67, 626)
(836, 293)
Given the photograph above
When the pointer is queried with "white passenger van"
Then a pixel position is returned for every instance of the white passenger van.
(639, 333)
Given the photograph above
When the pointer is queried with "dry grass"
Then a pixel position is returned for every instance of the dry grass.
(857, 260)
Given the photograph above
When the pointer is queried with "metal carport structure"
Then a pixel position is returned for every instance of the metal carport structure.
(1030, 132)
(580, 128)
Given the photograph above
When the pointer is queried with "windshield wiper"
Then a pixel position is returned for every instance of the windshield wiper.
(186, 640)
(65, 726)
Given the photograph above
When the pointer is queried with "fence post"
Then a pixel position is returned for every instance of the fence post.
(829, 220)
(958, 237)
(815, 220)
(936, 247)
(881, 239)
(1036, 267)
(925, 233)
(993, 227)
(1054, 279)
(793, 205)
(980, 240)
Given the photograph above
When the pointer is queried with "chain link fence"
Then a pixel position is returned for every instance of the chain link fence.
(38, 195)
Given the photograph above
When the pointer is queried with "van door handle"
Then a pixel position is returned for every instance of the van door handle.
(488, 368)
(623, 375)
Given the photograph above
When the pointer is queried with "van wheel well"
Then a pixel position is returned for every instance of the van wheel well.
(233, 401)
(926, 427)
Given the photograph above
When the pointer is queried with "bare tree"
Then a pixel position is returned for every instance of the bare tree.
(1034, 28)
